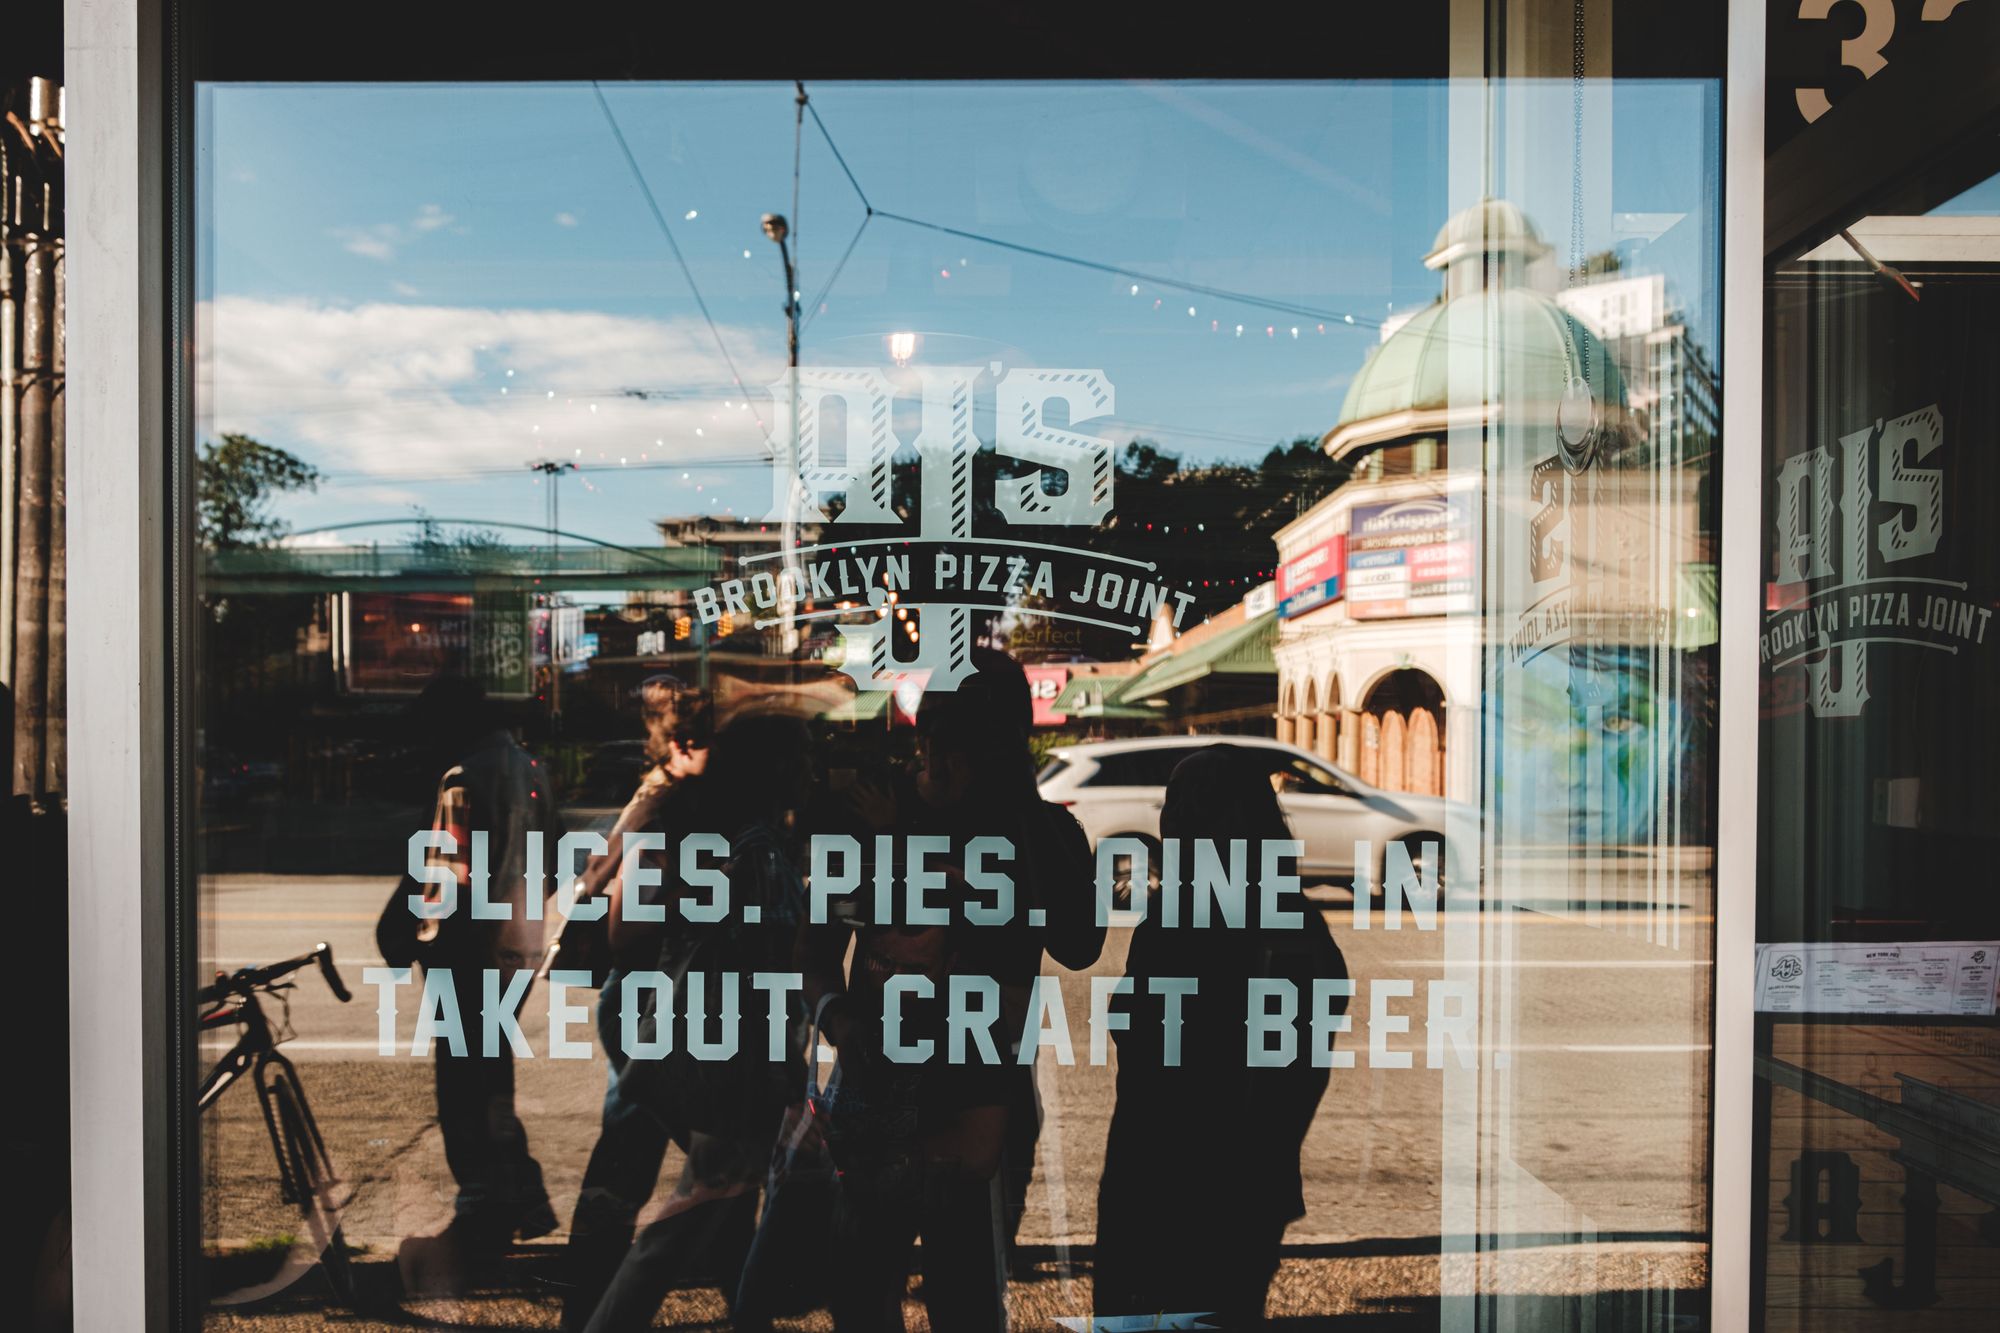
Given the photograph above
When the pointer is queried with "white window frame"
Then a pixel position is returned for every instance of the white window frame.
(118, 321)
(1731, 1106)
(120, 1014)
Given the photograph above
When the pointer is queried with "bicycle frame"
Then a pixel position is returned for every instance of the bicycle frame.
(257, 1054)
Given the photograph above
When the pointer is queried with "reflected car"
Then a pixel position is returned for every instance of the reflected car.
(1116, 788)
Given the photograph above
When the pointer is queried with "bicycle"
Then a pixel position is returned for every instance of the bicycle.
(307, 1177)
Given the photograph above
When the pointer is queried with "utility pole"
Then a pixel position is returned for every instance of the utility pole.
(778, 229)
(553, 469)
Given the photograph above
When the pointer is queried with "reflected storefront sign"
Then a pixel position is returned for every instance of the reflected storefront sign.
(392, 643)
(1412, 558)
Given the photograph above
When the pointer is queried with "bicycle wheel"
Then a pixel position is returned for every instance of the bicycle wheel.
(315, 1183)
(308, 1183)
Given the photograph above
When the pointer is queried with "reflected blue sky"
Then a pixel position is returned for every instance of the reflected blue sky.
(421, 289)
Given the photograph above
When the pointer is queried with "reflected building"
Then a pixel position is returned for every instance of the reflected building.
(1432, 595)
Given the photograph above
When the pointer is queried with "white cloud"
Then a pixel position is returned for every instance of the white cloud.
(377, 242)
(382, 240)
(402, 391)
(402, 289)
(565, 219)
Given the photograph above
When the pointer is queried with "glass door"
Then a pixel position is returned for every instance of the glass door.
(1876, 967)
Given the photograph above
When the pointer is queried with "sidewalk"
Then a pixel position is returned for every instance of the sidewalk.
(1349, 1289)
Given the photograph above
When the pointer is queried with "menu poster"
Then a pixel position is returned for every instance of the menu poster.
(1920, 977)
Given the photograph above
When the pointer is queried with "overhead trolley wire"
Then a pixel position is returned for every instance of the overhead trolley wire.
(870, 213)
(660, 218)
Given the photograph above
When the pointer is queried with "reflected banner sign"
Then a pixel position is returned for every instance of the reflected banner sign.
(1411, 558)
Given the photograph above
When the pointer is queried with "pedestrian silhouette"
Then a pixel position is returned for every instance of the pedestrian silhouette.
(489, 786)
(1201, 1162)
(631, 1142)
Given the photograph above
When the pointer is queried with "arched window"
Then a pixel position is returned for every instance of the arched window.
(1404, 713)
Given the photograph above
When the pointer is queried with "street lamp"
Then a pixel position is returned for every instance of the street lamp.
(902, 346)
(553, 469)
(778, 229)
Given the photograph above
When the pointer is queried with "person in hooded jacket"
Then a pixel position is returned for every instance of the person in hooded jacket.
(1201, 1160)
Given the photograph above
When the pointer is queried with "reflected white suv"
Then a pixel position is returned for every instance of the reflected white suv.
(1117, 788)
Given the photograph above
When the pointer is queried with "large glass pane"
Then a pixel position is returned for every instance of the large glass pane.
(1186, 608)
(1878, 1054)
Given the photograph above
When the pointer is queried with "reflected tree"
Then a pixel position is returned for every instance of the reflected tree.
(234, 483)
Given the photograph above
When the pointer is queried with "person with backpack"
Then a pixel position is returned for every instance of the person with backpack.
(490, 785)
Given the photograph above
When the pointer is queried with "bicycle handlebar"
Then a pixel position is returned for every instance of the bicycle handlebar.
(246, 979)
(332, 974)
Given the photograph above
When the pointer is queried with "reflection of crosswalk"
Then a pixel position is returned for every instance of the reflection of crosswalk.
(1121, 1323)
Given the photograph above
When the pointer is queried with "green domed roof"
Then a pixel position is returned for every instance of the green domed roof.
(1489, 227)
(1537, 347)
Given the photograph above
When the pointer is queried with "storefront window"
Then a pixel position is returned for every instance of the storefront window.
(1877, 1054)
(1114, 675)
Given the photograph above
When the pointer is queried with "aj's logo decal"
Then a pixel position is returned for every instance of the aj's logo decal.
(1854, 526)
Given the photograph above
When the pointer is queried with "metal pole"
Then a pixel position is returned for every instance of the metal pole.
(17, 178)
(553, 470)
(55, 753)
(10, 410)
(788, 530)
(45, 122)
(31, 600)
(777, 229)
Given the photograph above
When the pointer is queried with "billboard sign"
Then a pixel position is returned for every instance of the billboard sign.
(1412, 557)
(1312, 578)
(395, 642)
